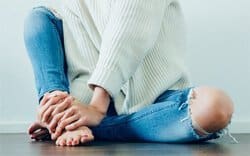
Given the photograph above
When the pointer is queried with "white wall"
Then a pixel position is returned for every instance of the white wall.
(219, 50)
(218, 54)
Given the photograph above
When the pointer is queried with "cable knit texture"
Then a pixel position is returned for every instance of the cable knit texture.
(132, 48)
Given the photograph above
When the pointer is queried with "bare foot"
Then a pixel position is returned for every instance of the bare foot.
(72, 138)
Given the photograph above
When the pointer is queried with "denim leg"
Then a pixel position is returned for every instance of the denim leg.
(43, 37)
(167, 120)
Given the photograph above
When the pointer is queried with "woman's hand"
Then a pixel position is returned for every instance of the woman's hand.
(84, 115)
(52, 106)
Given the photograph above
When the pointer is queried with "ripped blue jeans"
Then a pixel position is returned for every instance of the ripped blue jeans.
(167, 119)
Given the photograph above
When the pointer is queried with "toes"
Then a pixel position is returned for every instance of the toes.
(69, 141)
(77, 137)
(53, 137)
(75, 141)
(63, 142)
(58, 141)
(84, 139)
(87, 138)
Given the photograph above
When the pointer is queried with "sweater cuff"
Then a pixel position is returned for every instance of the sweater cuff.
(109, 79)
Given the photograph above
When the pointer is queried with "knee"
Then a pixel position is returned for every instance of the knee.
(211, 108)
(35, 22)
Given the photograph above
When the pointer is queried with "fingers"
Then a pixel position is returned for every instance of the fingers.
(47, 96)
(62, 106)
(44, 99)
(68, 113)
(46, 106)
(76, 124)
(58, 108)
(53, 124)
(47, 113)
(69, 121)
(62, 123)
(59, 116)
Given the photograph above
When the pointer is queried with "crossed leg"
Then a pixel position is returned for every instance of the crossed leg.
(211, 109)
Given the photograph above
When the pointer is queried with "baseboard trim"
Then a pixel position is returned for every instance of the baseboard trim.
(21, 127)
(14, 127)
(240, 126)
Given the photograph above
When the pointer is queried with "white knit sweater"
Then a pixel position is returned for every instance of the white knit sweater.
(132, 48)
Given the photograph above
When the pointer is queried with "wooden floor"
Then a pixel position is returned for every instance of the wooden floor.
(21, 145)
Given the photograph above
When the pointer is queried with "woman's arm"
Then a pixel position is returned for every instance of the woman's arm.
(132, 30)
(100, 99)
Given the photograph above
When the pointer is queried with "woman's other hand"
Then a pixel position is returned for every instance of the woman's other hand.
(79, 115)
(85, 115)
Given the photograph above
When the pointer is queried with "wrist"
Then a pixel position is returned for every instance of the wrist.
(100, 100)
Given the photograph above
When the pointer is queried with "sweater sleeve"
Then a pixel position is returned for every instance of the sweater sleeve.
(132, 30)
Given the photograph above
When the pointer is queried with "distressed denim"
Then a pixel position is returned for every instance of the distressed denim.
(167, 120)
